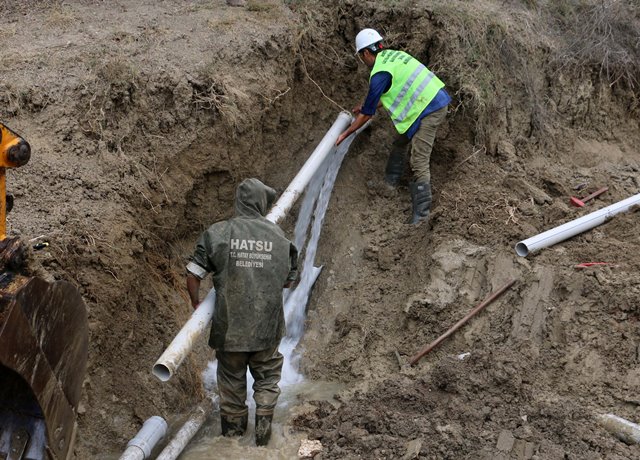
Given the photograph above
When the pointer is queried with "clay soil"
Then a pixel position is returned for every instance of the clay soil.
(144, 115)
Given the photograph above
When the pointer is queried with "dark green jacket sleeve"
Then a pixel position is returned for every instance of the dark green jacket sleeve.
(293, 261)
(200, 264)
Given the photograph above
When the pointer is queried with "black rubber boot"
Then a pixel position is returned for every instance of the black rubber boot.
(395, 168)
(420, 201)
(263, 429)
(233, 426)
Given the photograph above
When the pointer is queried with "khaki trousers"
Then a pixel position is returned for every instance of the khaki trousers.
(422, 144)
(265, 367)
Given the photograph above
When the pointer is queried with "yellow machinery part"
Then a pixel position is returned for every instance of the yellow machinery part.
(14, 152)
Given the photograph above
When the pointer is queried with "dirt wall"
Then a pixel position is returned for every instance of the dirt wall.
(143, 117)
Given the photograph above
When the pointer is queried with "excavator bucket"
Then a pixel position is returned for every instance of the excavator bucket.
(43, 356)
(43, 343)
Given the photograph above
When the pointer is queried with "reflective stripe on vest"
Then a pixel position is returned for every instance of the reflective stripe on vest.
(412, 89)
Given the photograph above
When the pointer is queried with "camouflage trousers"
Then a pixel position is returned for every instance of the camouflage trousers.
(265, 367)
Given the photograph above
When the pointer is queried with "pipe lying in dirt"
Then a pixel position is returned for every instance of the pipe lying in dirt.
(151, 433)
(184, 434)
(183, 343)
(457, 326)
(623, 429)
(575, 227)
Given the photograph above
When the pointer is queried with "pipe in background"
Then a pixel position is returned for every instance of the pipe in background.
(582, 224)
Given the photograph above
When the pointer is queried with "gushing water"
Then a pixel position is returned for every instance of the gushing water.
(314, 205)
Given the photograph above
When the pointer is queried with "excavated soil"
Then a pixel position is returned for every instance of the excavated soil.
(143, 116)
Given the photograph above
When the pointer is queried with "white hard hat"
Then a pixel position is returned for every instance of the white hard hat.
(367, 37)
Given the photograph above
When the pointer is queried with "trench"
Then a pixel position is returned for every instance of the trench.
(312, 209)
(375, 265)
(156, 171)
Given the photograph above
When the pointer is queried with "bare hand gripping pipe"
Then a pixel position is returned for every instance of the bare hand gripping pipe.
(575, 227)
(182, 344)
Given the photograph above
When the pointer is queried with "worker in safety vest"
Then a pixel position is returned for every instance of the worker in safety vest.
(250, 261)
(417, 103)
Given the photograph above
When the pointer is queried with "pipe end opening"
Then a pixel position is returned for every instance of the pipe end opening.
(521, 249)
(162, 372)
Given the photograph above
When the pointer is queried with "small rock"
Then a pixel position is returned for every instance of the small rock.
(505, 441)
(523, 450)
(506, 150)
(371, 253)
(236, 2)
(309, 449)
(413, 449)
(385, 258)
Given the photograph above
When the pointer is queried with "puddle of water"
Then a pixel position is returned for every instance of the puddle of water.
(209, 444)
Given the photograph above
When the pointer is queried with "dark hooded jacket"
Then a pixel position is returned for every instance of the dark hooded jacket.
(250, 261)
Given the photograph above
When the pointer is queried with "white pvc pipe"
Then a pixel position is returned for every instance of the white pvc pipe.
(623, 429)
(140, 447)
(183, 343)
(582, 224)
(302, 179)
(184, 435)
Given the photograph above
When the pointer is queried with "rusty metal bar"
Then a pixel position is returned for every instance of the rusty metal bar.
(457, 326)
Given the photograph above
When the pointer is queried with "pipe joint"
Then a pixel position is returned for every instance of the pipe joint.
(151, 433)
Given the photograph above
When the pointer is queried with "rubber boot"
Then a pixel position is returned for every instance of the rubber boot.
(420, 202)
(263, 429)
(395, 168)
(233, 426)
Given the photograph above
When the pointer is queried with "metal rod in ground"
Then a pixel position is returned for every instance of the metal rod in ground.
(456, 326)
(184, 434)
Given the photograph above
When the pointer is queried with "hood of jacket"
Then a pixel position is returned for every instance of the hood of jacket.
(253, 198)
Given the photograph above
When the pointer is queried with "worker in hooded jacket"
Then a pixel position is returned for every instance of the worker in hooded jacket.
(416, 101)
(250, 261)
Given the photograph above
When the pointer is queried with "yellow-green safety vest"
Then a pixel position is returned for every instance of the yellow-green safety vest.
(412, 89)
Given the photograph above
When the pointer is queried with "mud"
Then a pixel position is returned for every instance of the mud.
(143, 116)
